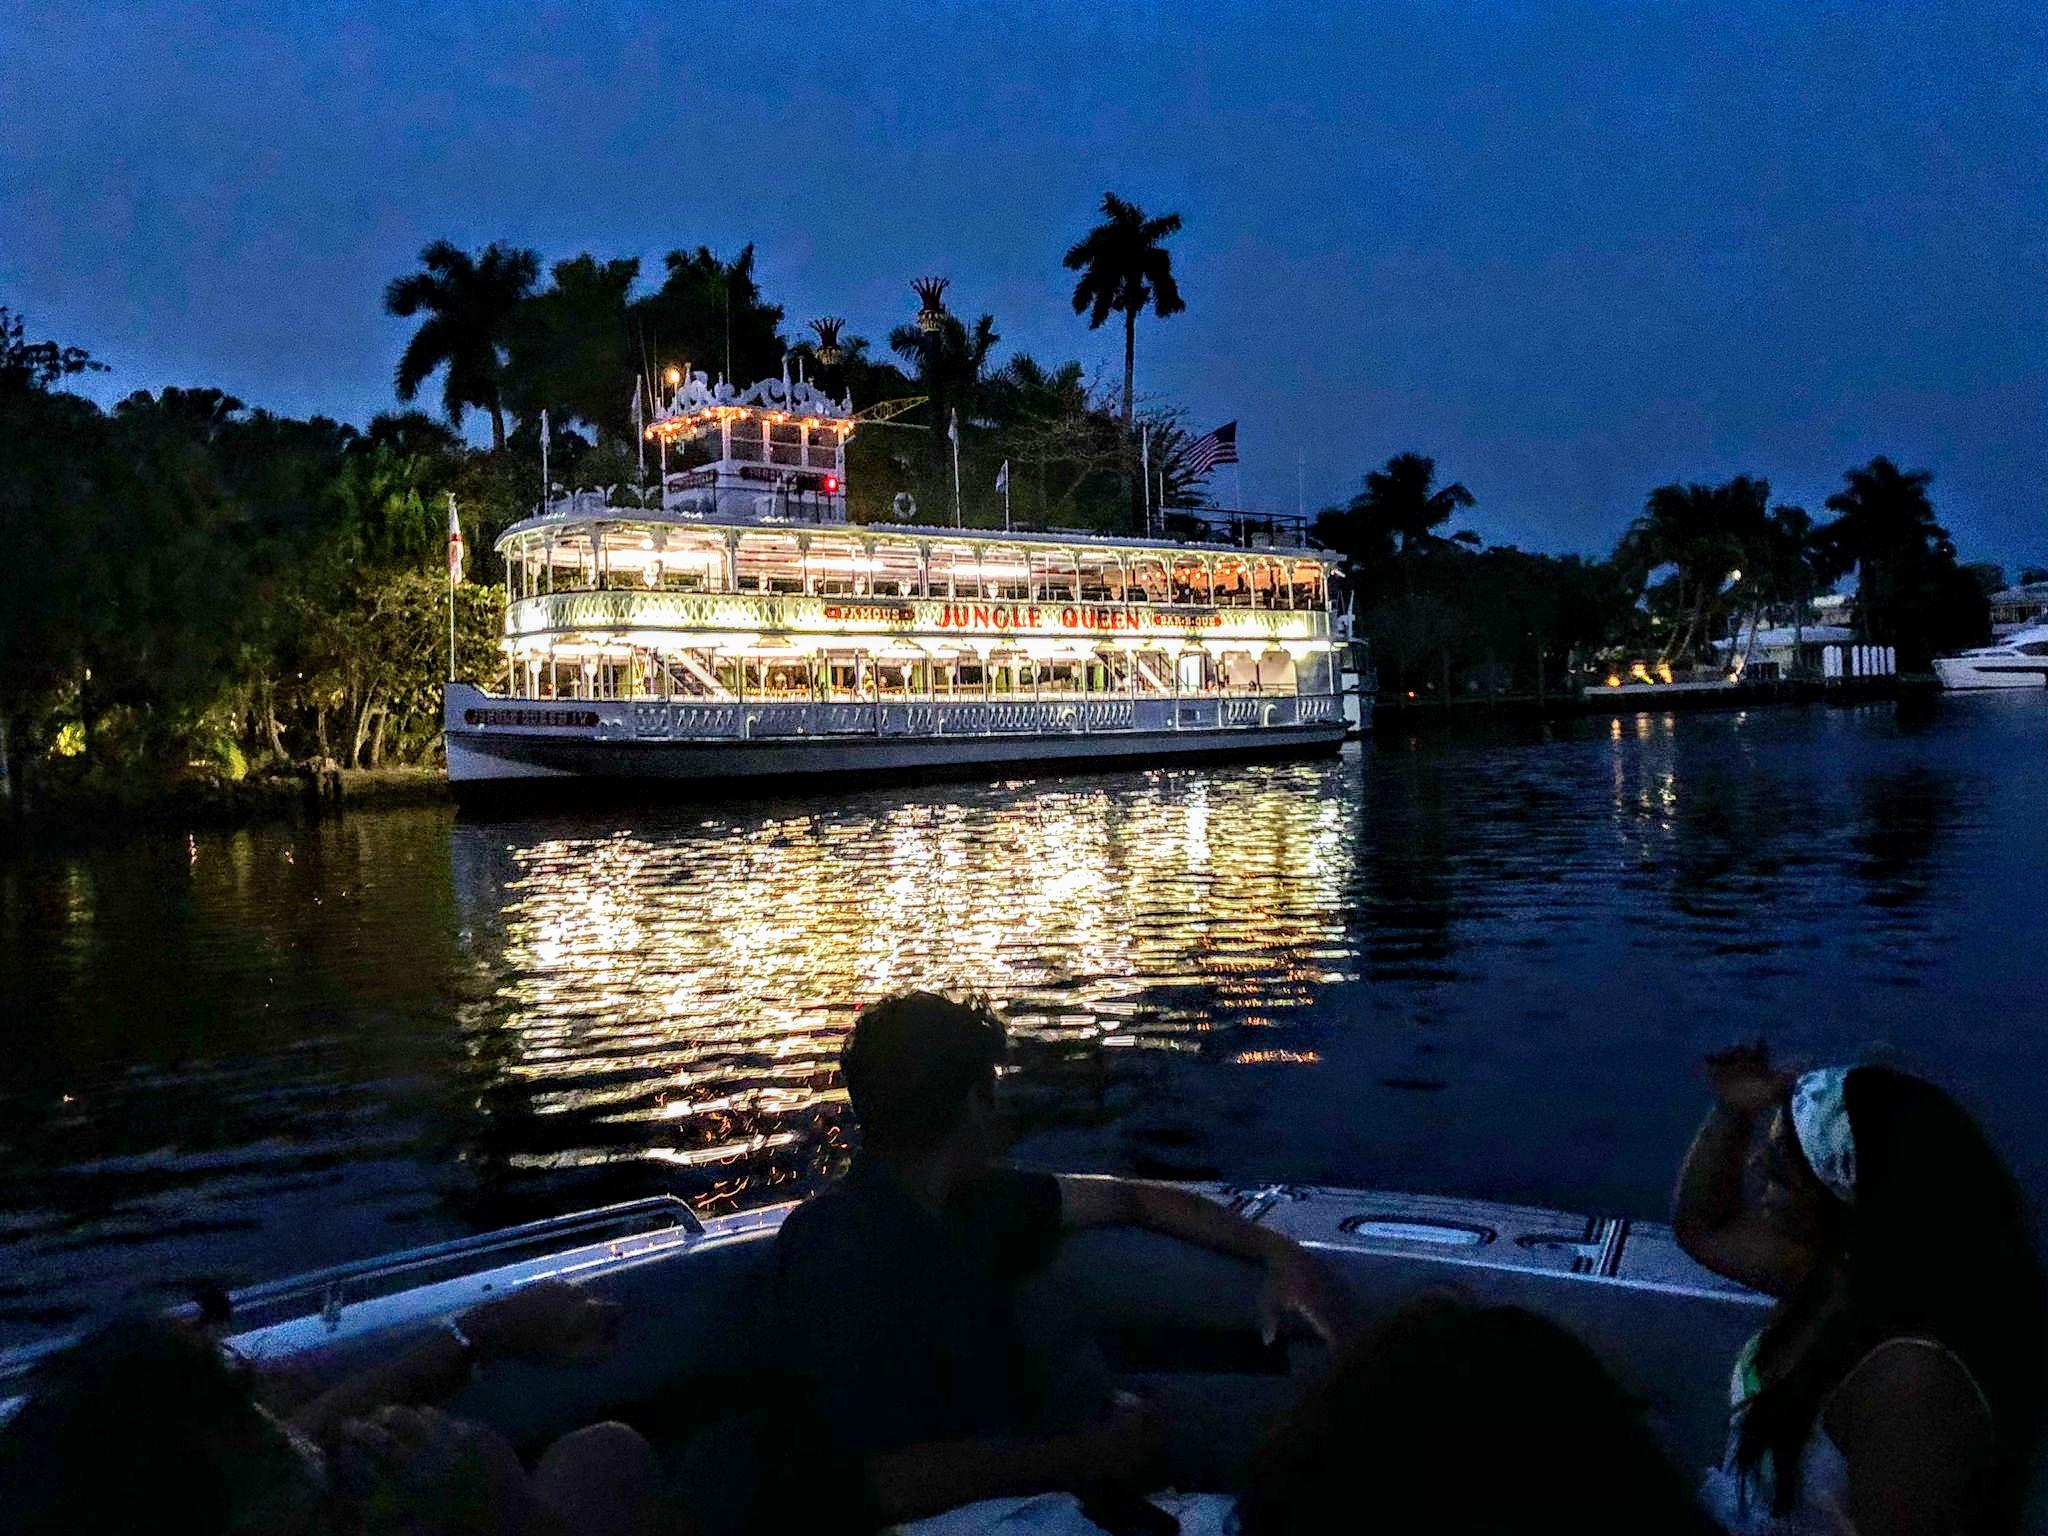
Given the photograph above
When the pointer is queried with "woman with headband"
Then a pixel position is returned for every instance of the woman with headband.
(1896, 1388)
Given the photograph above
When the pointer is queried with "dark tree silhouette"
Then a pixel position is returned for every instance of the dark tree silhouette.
(1397, 513)
(1124, 266)
(469, 303)
(1910, 593)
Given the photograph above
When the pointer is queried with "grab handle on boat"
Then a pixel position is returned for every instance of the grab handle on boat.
(1416, 1229)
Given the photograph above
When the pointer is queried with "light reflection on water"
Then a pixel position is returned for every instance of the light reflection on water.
(679, 989)
(1480, 964)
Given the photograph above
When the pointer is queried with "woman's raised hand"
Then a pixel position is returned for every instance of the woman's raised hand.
(1742, 1077)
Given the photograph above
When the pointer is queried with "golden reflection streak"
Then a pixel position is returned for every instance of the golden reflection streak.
(701, 978)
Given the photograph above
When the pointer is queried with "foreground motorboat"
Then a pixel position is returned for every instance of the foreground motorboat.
(2020, 660)
(1173, 1321)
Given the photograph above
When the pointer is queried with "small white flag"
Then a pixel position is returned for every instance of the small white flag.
(543, 431)
(953, 429)
(1003, 476)
(454, 544)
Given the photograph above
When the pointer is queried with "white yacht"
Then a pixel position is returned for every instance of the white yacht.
(2020, 660)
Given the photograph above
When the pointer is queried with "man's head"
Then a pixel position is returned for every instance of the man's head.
(921, 1071)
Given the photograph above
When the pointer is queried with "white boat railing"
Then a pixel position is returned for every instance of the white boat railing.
(770, 719)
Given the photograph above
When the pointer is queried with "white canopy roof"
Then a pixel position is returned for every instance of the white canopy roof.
(1781, 635)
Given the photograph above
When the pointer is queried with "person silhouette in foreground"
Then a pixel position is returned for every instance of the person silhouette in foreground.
(148, 1427)
(894, 1290)
(1897, 1387)
(1451, 1417)
(1446, 1417)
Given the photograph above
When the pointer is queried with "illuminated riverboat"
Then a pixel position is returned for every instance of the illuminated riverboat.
(737, 626)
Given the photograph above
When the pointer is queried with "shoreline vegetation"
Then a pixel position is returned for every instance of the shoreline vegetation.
(211, 597)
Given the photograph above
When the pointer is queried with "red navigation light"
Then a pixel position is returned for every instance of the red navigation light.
(831, 485)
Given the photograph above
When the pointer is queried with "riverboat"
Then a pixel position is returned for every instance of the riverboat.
(731, 624)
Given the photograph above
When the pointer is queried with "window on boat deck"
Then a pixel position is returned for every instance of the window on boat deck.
(1005, 574)
(1149, 581)
(1053, 574)
(745, 438)
(830, 566)
(632, 555)
(1233, 582)
(785, 442)
(568, 561)
(1154, 671)
(2033, 648)
(1308, 584)
(1102, 577)
(897, 571)
(533, 558)
(952, 573)
(690, 563)
(1191, 582)
(768, 562)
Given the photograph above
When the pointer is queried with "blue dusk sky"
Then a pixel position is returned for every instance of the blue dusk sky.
(1572, 251)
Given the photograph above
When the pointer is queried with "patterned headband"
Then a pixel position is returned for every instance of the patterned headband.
(1820, 1121)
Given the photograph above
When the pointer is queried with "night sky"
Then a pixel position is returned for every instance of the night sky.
(1571, 251)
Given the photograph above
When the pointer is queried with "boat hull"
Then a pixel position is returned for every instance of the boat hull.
(1964, 674)
(495, 746)
(689, 1292)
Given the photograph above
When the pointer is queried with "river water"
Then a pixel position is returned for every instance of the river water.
(1481, 963)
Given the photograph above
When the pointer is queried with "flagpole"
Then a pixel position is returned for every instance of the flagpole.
(640, 432)
(1145, 473)
(454, 554)
(954, 433)
(544, 461)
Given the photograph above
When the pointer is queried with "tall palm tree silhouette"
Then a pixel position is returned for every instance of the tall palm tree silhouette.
(1124, 266)
(469, 303)
(1884, 530)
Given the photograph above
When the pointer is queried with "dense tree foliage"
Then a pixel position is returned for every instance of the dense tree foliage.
(1702, 562)
(206, 588)
(203, 587)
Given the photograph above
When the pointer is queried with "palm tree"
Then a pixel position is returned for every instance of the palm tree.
(1124, 266)
(948, 363)
(1400, 508)
(1777, 571)
(1884, 530)
(1704, 533)
(469, 303)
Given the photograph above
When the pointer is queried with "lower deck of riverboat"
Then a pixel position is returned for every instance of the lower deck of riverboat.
(495, 743)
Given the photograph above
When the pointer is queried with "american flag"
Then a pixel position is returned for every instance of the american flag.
(1205, 453)
(454, 545)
